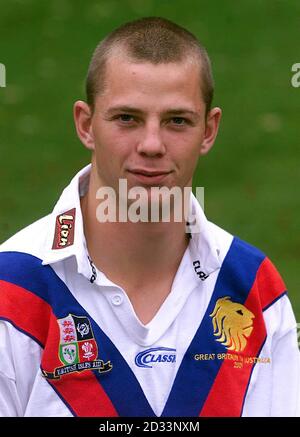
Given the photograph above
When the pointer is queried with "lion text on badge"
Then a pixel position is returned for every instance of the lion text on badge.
(295, 81)
(2, 76)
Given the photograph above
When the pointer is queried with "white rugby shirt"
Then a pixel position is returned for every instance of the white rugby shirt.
(222, 344)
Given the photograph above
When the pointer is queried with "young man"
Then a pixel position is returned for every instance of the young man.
(141, 318)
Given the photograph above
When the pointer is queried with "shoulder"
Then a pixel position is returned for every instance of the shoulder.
(233, 249)
(30, 240)
(26, 281)
(254, 264)
(247, 266)
(21, 256)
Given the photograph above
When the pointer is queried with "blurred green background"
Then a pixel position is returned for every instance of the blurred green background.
(252, 174)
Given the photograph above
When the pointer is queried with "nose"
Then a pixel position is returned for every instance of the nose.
(151, 144)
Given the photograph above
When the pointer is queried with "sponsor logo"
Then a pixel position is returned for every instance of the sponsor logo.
(199, 272)
(232, 324)
(155, 355)
(64, 229)
(77, 349)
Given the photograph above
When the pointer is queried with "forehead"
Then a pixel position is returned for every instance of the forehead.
(154, 85)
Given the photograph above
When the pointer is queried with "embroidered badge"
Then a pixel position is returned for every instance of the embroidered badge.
(78, 349)
(232, 323)
(64, 229)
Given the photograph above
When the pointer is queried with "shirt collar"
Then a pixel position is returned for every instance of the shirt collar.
(204, 247)
(65, 236)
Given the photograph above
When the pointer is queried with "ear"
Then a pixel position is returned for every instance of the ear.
(211, 129)
(83, 121)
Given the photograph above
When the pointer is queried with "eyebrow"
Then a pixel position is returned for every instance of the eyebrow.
(131, 109)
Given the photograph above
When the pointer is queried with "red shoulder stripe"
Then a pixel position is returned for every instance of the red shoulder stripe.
(270, 283)
(25, 310)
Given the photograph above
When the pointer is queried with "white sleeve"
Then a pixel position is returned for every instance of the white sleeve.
(19, 364)
(286, 376)
(274, 389)
(10, 405)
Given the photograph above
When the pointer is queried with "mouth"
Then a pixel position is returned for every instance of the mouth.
(149, 176)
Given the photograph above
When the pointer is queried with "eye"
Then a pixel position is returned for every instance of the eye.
(179, 121)
(125, 118)
(240, 312)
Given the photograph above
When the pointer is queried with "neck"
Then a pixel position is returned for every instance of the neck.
(132, 254)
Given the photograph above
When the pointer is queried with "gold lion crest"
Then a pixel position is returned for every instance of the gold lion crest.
(232, 323)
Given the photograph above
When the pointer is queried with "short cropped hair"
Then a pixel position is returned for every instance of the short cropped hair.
(150, 39)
